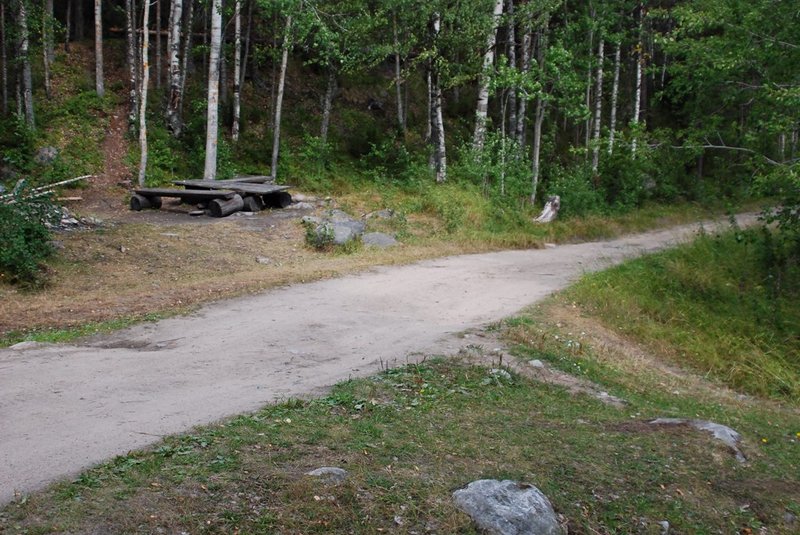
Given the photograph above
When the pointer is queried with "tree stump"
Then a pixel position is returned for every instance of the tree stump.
(222, 207)
(140, 202)
(253, 203)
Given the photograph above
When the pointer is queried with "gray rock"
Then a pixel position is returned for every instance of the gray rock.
(381, 214)
(337, 216)
(790, 519)
(311, 220)
(723, 433)
(300, 206)
(508, 508)
(300, 198)
(664, 527)
(379, 239)
(22, 346)
(330, 474)
(263, 260)
(343, 233)
(45, 155)
(536, 363)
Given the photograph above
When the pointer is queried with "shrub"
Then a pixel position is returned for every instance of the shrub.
(25, 238)
(578, 195)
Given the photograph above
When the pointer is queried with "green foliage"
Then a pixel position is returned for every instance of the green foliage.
(580, 196)
(25, 238)
(319, 237)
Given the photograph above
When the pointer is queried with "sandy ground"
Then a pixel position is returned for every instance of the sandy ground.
(64, 408)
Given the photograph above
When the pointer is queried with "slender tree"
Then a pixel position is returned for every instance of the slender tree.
(637, 99)
(187, 51)
(237, 70)
(541, 105)
(145, 82)
(47, 46)
(174, 100)
(276, 136)
(158, 44)
(398, 78)
(437, 119)
(482, 107)
(212, 125)
(26, 81)
(614, 99)
(4, 56)
(80, 30)
(511, 54)
(67, 25)
(98, 48)
(132, 46)
(598, 105)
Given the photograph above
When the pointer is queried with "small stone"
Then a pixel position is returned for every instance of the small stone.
(263, 260)
(310, 220)
(123, 249)
(300, 206)
(379, 239)
(45, 155)
(57, 244)
(550, 245)
(536, 363)
(330, 474)
(195, 213)
(790, 519)
(664, 527)
(22, 346)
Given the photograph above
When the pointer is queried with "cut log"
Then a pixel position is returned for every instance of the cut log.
(222, 208)
(280, 199)
(140, 202)
(550, 210)
(253, 203)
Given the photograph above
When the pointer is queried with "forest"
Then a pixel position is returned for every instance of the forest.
(609, 105)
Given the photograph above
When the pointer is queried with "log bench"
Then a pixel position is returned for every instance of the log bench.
(151, 197)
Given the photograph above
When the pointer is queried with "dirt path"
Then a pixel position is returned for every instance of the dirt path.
(64, 408)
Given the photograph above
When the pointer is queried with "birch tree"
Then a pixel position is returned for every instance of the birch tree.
(26, 81)
(614, 98)
(439, 160)
(276, 129)
(637, 99)
(4, 57)
(598, 106)
(174, 99)
(145, 82)
(47, 46)
(133, 77)
(98, 48)
(212, 126)
(482, 106)
(237, 67)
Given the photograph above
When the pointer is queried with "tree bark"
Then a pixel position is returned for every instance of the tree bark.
(588, 123)
(47, 46)
(482, 107)
(212, 125)
(525, 67)
(80, 31)
(437, 119)
(145, 81)
(512, 62)
(132, 46)
(637, 101)
(614, 99)
(4, 57)
(401, 123)
(67, 23)
(158, 44)
(187, 52)
(327, 104)
(247, 41)
(429, 113)
(538, 120)
(175, 95)
(598, 106)
(98, 48)
(26, 81)
(237, 70)
(276, 137)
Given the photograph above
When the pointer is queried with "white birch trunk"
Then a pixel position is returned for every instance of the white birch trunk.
(26, 81)
(145, 81)
(637, 100)
(237, 70)
(525, 67)
(98, 48)
(538, 120)
(401, 123)
(598, 105)
(158, 44)
(481, 109)
(175, 95)
(212, 125)
(130, 35)
(4, 57)
(276, 138)
(327, 104)
(614, 99)
(187, 51)
(437, 119)
(47, 48)
(512, 62)
(429, 84)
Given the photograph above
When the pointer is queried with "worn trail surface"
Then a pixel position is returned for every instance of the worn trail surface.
(64, 408)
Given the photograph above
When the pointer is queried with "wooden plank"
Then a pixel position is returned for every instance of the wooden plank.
(255, 179)
(239, 187)
(186, 193)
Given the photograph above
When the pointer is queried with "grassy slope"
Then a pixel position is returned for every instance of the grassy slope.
(409, 437)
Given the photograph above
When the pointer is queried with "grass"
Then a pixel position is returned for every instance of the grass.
(714, 305)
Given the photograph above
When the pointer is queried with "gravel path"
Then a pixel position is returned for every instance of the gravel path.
(64, 408)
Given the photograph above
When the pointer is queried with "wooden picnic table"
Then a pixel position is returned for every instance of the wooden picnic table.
(237, 186)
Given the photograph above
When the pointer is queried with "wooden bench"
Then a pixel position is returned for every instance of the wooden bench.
(256, 195)
(151, 197)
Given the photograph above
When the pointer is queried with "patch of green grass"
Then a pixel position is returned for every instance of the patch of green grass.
(715, 304)
(408, 437)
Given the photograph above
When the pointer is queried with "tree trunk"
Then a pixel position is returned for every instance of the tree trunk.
(145, 81)
(4, 56)
(588, 102)
(482, 107)
(26, 82)
(158, 44)
(525, 67)
(98, 48)
(247, 42)
(187, 52)
(131, 42)
(327, 104)
(598, 106)
(637, 100)
(401, 123)
(429, 113)
(210, 172)
(237, 70)
(512, 62)
(538, 119)
(47, 46)
(437, 119)
(276, 137)
(67, 22)
(614, 99)
(175, 95)
(80, 31)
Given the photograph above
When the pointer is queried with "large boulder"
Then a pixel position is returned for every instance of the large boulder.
(508, 508)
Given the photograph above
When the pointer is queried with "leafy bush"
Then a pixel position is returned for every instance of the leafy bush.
(579, 196)
(25, 238)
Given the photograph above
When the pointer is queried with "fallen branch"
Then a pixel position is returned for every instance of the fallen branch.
(42, 190)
